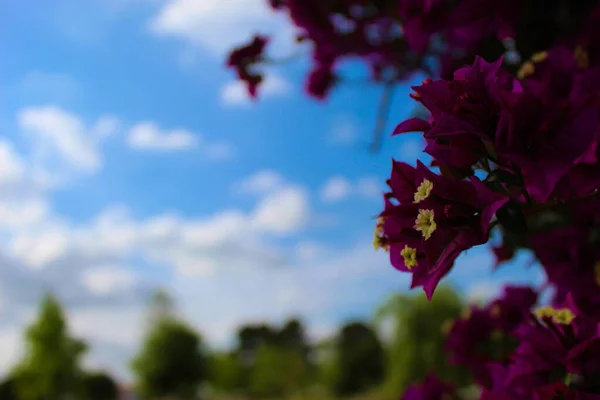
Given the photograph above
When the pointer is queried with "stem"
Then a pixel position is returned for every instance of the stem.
(382, 116)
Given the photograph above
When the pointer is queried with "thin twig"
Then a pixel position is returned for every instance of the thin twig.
(382, 116)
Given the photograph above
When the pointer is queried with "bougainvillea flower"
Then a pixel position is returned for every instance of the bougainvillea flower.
(436, 219)
(243, 59)
(483, 336)
(469, 342)
(485, 113)
(512, 308)
(559, 345)
(570, 262)
(563, 392)
(544, 139)
(464, 112)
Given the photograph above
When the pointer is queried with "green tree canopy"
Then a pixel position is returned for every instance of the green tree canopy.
(8, 389)
(273, 360)
(277, 371)
(224, 371)
(99, 386)
(359, 359)
(171, 361)
(50, 366)
(417, 340)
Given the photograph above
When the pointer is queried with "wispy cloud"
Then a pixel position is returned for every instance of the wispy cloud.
(218, 25)
(261, 182)
(345, 130)
(338, 188)
(149, 136)
(60, 138)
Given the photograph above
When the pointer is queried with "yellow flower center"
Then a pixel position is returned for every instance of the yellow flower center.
(496, 311)
(465, 314)
(447, 327)
(581, 56)
(497, 335)
(539, 57)
(562, 316)
(425, 223)
(410, 256)
(527, 69)
(423, 191)
(379, 240)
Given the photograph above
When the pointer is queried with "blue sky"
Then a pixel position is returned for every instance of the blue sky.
(131, 159)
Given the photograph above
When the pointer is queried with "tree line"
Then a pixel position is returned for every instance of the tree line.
(267, 361)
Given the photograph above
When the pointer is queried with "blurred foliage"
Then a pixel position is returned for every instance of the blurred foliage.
(277, 370)
(50, 366)
(8, 389)
(171, 361)
(273, 361)
(417, 339)
(268, 362)
(99, 386)
(224, 372)
(359, 360)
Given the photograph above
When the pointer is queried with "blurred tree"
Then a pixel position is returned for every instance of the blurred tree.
(50, 366)
(359, 359)
(292, 336)
(171, 361)
(273, 361)
(417, 339)
(278, 371)
(250, 338)
(8, 390)
(324, 359)
(224, 372)
(99, 386)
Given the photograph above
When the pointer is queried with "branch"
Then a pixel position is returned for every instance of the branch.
(382, 116)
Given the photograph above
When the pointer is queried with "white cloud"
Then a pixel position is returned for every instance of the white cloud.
(106, 126)
(11, 346)
(284, 211)
(308, 251)
(60, 132)
(11, 165)
(369, 186)
(107, 279)
(235, 93)
(61, 143)
(345, 130)
(335, 189)
(148, 136)
(338, 188)
(260, 182)
(219, 25)
(22, 213)
(482, 291)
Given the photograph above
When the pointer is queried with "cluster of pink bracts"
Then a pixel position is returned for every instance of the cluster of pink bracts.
(520, 156)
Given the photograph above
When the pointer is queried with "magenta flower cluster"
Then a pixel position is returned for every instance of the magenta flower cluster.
(398, 38)
(519, 154)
